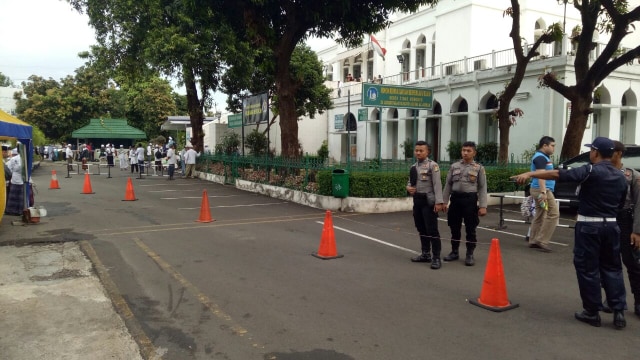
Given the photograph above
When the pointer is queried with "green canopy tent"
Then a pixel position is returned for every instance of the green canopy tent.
(108, 129)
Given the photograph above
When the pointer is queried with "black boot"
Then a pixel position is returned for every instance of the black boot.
(436, 264)
(469, 260)
(618, 319)
(424, 257)
(453, 255)
(591, 318)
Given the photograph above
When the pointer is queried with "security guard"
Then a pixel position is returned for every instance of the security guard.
(629, 222)
(596, 252)
(426, 188)
(466, 187)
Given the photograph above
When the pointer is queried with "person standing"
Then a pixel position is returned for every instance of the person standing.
(466, 188)
(183, 166)
(69, 156)
(596, 252)
(171, 161)
(140, 157)
(15, 197)
(110, 151)
(133, 159)
(190, 160)
(547, 212)
(425, 186)
(628, 219)
(122, 157)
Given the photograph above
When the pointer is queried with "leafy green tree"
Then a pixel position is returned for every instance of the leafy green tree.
(177, 38)
(610, 16)
(279, 25)
(5, 80)
(257, 143)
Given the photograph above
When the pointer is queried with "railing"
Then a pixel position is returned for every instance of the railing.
(492, 60)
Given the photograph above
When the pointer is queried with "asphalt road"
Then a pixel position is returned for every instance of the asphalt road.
(246, 287)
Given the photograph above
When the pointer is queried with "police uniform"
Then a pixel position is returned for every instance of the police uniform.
(596, 253)
(466, 187)
(628, 220)
(425, 177)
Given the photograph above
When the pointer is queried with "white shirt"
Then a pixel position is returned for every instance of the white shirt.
(15, 165)
(190, 156)
(140, 153)
(171, 157)
(69, 153)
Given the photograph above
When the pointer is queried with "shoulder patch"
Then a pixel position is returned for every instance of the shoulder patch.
(436, 168)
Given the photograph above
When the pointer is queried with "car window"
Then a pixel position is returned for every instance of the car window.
(577, 161)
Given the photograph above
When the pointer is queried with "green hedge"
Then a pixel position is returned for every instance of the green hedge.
(392, 185)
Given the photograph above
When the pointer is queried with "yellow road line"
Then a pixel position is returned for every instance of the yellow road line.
(147, 349)
(236, 328)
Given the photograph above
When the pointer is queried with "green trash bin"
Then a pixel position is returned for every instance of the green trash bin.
(340, 183)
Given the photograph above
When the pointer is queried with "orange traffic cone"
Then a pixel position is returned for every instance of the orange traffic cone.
(205, 214)
(129, 195)
(494, 289)
(54, 181)
(327, 249)
(87, 185)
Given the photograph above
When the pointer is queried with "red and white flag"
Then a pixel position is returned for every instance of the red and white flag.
(376, 45)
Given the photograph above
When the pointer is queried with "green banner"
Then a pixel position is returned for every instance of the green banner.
(390, 96)
(363, 114)
(235, 120)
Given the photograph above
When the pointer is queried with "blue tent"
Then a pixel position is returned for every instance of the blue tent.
(14, 128)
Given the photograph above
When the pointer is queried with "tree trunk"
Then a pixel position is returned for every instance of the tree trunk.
(286, 89)
(504, 126)
(580, 109)
(196, 115)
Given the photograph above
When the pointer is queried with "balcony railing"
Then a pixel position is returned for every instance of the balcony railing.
(492, 60)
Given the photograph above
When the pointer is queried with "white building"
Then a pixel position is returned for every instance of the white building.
(7, 103)
(461, 50)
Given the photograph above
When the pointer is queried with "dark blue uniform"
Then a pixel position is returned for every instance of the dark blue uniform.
(596, 253)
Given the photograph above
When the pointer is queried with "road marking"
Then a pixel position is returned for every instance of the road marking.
(172, 190)
(373, 239)
(234, 206)
(236, 328)
(196, 197)
(147, 349)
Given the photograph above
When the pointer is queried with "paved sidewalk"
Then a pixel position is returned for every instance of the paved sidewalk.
(53, 306)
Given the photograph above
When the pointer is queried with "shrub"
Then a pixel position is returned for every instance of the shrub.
(487, 153)
(454, 149)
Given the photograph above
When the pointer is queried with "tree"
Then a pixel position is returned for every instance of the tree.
(311, 97)
(176, 38)
(279, 25)
(553, 33)
(5, 80)
(614, 18)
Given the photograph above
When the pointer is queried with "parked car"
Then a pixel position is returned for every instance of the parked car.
(567, 190)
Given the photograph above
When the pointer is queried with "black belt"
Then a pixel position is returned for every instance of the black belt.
(420, 195)
(464, 194)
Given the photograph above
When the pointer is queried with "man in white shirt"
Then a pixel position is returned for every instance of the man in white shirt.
(171, 161)
(69, 155)
(190, 160)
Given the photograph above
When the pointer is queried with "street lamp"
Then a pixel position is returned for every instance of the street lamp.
(564, 18)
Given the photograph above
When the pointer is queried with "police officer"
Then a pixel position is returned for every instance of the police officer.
(426, 188)
(596, 252)
(466, 187)
(629, 222)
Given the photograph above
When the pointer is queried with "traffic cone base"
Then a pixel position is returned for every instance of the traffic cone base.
(54, 181)
(327, 249)
(129, 194)
(493, 295)
(87, 185)
(205, 213)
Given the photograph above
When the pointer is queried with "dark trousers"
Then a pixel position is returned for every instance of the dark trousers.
(463, 207)
(625, 222)
(596, 257)
(171, 170)
(426, 221)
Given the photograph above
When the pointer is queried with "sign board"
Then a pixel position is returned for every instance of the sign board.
(235, 120)
(256, 109)
(363, 114)
(390, 96)
(338, 122)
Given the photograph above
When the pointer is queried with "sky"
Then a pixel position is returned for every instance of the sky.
(44, 37)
